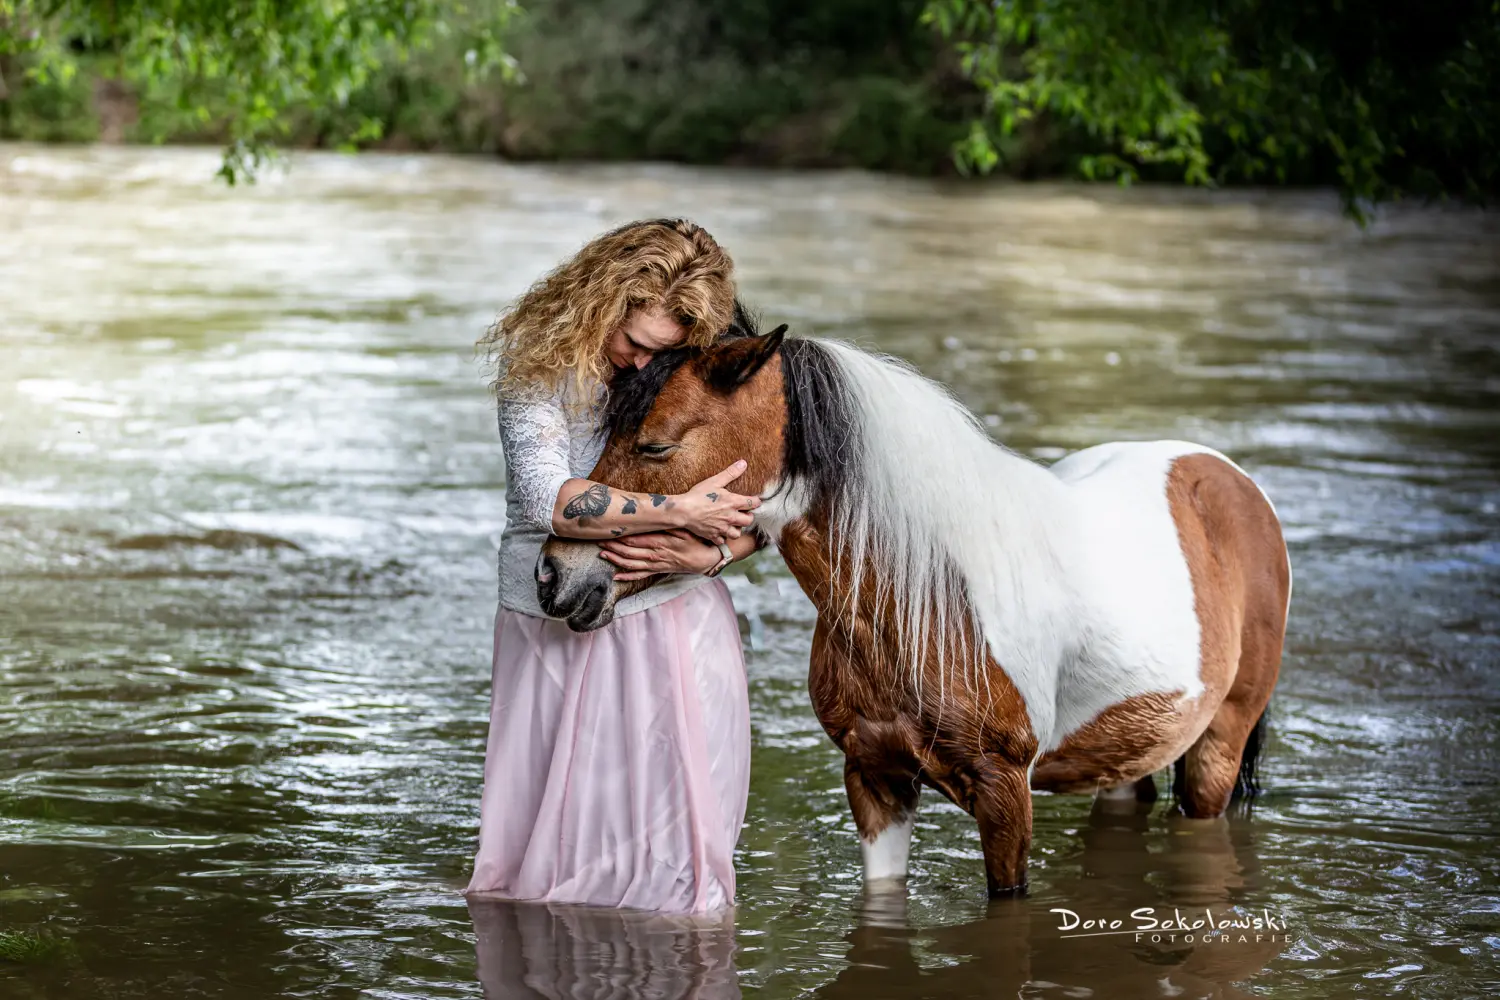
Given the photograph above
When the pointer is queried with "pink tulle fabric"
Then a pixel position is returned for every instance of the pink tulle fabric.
(618, 761)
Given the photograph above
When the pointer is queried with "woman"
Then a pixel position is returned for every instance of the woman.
(618, 760)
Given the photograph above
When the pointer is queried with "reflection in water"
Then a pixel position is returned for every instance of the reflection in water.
(553, 952)
(1017, 948)
(1130, 860)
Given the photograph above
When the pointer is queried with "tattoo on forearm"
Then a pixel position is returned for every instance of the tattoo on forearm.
(616, 532)
(657, 499)
(629, 507)
(592, 502)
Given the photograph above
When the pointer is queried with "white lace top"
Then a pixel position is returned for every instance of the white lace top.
(546, 443)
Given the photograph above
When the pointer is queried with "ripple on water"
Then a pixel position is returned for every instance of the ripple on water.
(250, 491)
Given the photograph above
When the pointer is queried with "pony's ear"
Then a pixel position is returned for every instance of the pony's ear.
(731, 364)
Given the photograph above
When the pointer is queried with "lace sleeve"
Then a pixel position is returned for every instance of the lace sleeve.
(534, 436)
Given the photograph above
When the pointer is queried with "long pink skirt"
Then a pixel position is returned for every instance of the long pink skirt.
(618, 761)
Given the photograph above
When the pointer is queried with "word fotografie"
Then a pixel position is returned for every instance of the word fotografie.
(1210, 926)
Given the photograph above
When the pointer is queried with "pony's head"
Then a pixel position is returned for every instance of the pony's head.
(894, 478)
(688, 414)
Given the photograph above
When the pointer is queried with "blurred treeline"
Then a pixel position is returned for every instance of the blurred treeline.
(1380, 98)
(773, 82)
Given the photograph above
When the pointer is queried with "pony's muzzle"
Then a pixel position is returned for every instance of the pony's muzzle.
(574, 584)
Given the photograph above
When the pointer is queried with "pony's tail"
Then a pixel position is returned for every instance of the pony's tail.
(1247, 782)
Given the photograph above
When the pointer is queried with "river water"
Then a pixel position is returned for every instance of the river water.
(250, 492)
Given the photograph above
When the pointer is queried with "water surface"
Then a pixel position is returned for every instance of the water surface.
(250, 491)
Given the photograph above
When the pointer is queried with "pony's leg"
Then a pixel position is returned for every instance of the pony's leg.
(1211, 766)
(1002, 805)
(1127, 799)
(885, 810)
(1238, 563)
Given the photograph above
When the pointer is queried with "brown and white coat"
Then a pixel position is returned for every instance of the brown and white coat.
(986, 625)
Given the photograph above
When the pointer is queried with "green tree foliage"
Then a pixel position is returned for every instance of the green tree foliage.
(783, 82)
(1384, 98)
(791, 82)
(244, 67)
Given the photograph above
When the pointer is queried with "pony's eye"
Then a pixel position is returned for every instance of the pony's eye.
(655, 450)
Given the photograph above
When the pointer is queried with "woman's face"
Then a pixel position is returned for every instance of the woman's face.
(644, 332)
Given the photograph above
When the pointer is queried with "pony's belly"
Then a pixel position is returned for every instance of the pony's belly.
(1171, 532)
(1137, 627)
(1125, 742)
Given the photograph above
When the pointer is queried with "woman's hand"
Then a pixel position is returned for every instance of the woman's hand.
(640, 556)
(711, 512)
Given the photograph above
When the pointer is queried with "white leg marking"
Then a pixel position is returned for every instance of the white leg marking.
(885, 856)
(1119, 793)
(1117, 801)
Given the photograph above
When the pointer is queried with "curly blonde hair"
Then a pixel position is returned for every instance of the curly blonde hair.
(560, 326)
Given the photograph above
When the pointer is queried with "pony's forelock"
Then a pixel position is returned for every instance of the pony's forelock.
(633, 391)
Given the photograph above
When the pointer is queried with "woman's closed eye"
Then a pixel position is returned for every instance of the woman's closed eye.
(655, 449)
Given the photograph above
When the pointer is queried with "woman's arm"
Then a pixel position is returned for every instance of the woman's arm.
(672, 552)
(586, 509)
(534, 435)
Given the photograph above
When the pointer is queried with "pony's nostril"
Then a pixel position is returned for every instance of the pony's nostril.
(592, 604)
(546, 571)
(546, 582)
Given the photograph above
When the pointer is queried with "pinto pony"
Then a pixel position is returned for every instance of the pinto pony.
(986, 626)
